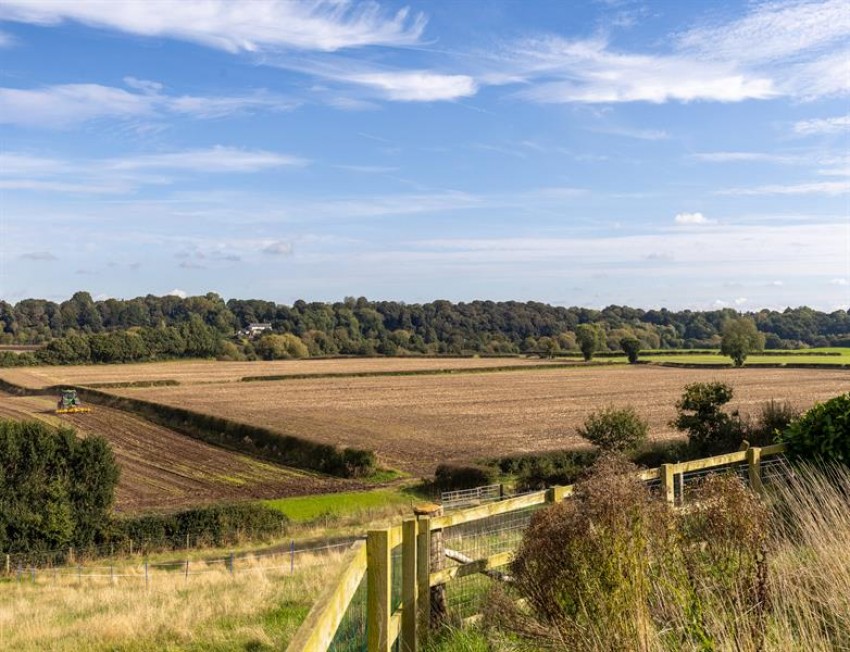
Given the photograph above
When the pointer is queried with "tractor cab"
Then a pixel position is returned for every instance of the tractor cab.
(69, 403)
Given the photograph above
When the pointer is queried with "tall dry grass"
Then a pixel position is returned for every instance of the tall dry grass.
(736, 573)
(259, 607)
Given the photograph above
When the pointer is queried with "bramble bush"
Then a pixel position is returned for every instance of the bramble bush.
(822, 433)
(615, 429)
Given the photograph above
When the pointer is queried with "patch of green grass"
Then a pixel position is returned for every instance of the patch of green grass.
(303, 509)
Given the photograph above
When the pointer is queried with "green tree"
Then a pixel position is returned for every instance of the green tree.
(548, 346)
(589, 338)
(631, 345)
(281, 347)
(615, 429)
(710, 430)
(740, 338)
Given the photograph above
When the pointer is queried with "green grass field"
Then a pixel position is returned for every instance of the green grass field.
(838, 356)
(304, 509)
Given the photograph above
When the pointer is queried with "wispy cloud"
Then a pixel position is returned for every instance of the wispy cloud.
(417, 85)
(39, 256)
(325, 25)
(589, 71)
(814, 188)
(22, 171)
(836, 125)
(735, 157)
(67, 105)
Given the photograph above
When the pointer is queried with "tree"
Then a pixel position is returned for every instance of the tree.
(740, 338)
(631, 345)
(710, 430)
(615, 429)
(548, 346)
(281, 347)
(589, 337)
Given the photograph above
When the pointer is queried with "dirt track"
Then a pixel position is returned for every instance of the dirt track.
(163, 470)
(416, 422)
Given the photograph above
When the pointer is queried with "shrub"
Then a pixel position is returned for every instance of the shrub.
(775, 417)
(584, 565)
(215, 525)
(449, 477)
(710, 430)
(822, 433)
(614, 429)
(55, 490)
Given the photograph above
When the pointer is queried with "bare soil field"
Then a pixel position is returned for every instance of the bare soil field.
(164, 470)
(190, 372)
(416, 422)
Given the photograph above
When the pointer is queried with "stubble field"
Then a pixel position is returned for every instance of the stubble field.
(417, 422)
(192, 372)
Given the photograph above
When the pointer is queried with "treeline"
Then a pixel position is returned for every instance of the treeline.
(146, 328)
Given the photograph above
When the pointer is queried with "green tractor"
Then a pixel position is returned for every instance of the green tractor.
(69, 403)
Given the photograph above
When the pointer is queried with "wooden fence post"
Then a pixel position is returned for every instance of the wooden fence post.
(668, 489)
(754, 464)
(409, 588)
(423, 573)
(438, 607)
(379, 590)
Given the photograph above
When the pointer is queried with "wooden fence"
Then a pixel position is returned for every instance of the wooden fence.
(402, 622)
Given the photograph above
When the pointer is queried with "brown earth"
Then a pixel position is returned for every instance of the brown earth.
(163, 470)
(189, 372)
(416, 422)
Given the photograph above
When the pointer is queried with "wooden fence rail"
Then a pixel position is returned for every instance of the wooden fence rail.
(409, 624)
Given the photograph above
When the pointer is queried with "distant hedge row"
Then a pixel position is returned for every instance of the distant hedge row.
(254, 440)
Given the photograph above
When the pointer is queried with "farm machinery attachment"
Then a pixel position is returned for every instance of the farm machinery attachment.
(69, 403)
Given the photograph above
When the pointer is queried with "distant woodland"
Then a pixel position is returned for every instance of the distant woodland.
(82, 330)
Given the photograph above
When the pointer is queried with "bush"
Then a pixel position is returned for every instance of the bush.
(616, 569)
(55, 490)
(775, 417)
(822, 433)
(450, 477)
(216, 525)
(710, 430)
(615, 429)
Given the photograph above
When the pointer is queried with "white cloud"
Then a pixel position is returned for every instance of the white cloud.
(70, 104)
(640, 134)
(692, 218)
(740, 301)
(417, 86)
(278, 248)
(176, 292)
(814, 188)
(589, 72)
(7, 40)
(734, 157)
(839, 281)
(21, 171)
(324, 25)
(772, 31)
(215, 159)
(776, 284)
(836, 125)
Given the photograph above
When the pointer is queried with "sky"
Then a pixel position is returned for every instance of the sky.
(666, 153)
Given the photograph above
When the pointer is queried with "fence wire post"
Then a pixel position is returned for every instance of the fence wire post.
(409, 589)
(754, 464)
(187, 569)
(231, 563)
(291, 556)
(147, 582)
(379, 590)
(681, 481)
(668, 489)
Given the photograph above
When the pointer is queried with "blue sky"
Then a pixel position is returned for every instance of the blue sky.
(679, 154)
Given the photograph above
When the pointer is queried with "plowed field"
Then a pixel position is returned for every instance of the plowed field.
(416, 422)
(162, 469)
(191, 372)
